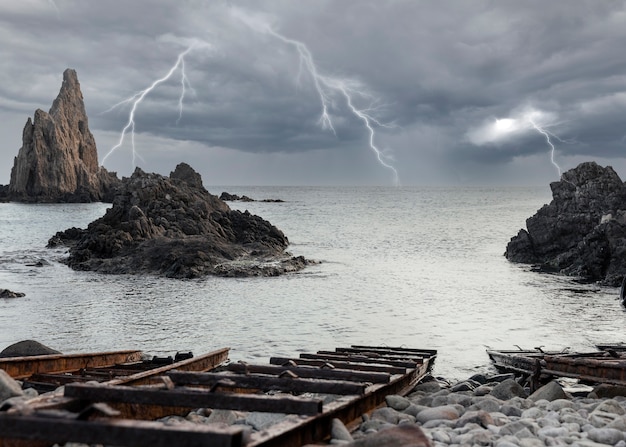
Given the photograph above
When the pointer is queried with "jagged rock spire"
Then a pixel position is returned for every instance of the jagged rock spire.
(58, 160)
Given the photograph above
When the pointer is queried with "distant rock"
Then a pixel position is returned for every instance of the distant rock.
(582, 232)
(58, 160)
(27, 348)
(6, 293)
(174, 227)
(227, 197)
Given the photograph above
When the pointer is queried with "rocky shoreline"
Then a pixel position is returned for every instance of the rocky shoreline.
(480, 411)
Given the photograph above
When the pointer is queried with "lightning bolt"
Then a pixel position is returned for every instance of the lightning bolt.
(325, 86)
(546, 134)
(137, 98)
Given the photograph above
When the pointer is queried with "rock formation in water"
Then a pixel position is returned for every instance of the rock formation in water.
(58, 160)
(175, 227)
(582, 232)
(227, 197)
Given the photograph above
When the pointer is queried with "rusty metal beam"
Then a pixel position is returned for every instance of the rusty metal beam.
(183, 397)
(338, 364)
(264, 383)
(115, 432)
(316, 373)
(330, 357)
(23, 367)
(411, 351)
(202, 363)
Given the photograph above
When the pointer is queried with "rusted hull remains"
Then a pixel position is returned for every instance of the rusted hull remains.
(242, 387)
(608, 366)
(48, 372)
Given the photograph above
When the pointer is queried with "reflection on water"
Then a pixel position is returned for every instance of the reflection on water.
(416, 267)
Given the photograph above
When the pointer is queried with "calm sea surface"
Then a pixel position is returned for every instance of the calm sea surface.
(418, 267)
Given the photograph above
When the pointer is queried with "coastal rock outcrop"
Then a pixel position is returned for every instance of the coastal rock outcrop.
(58, 160)
(175, 227)
(582, 232)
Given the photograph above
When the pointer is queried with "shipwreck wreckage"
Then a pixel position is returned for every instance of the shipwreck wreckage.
(606, 365)
(122, 405)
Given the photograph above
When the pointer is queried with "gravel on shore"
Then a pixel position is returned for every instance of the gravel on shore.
(492, 411)
(480, 411)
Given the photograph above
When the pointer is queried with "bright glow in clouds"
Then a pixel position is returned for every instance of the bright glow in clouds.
(499, 130)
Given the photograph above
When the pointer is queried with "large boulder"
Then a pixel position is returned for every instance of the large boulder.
(58, 160)
(173, 226)
(582, 232)
(27, 348)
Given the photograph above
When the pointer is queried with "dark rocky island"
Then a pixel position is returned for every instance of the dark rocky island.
(58, 160)
(582, 232)
(175, 227)
(227, 197)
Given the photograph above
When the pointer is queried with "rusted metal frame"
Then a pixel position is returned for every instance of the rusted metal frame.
(358, 359)
(201, 363)
(23, 367)
(265, 383)
(374, 355)
(316, 428)
(385, 352)
(602, 369)
(115, 432)
(316, 373)
(338, 364)
(59, 379)
(185, 397)
(427, 352)
(584, 377)
(111, 372)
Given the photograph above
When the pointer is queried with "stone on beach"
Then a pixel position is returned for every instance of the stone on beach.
(8, 386)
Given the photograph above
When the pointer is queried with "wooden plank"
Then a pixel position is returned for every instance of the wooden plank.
(338, 364)
(184, 397)
(115, 432)
(265, 383)
(316, 373)
(359, 359)
(202, 363)
(23, 367)
(427, 352)
(314, 428)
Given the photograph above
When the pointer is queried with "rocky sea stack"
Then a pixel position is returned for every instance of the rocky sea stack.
(173, 226)
(582, 232)
(58, 160)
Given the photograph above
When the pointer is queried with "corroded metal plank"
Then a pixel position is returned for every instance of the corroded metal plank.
(378, 355)
(339, 364)
(310, 372)
(264, 383)
(330, 357)
(115, 432)
(202, 363)
(182, 397)
(23, 367)
(427, 352)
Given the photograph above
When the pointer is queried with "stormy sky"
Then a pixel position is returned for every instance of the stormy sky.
(455, 92)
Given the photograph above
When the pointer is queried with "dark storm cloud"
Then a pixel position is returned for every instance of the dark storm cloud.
(438, 71)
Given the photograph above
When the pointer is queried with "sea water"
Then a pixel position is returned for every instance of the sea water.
(413, 266)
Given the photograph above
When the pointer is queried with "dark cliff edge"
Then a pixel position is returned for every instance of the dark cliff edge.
(58, 160)
(582, 232)
(173, 226)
